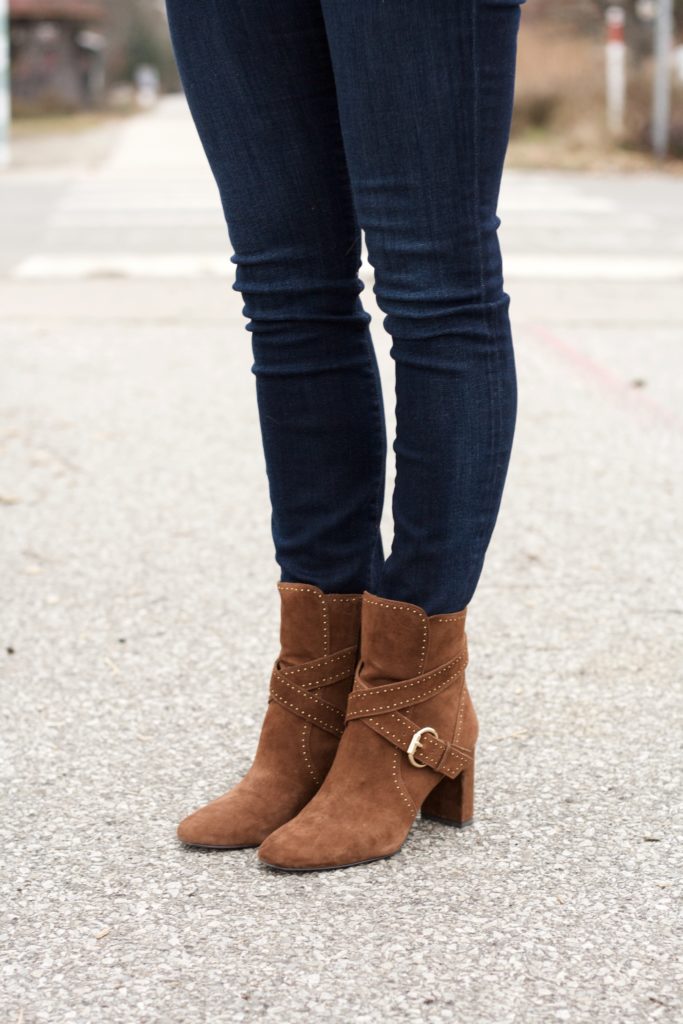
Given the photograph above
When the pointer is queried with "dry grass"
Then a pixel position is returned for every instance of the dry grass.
(560, 106)
(61, 124)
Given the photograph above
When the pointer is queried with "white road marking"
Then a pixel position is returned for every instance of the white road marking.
(153, 265)
(520, 266)
(145, 217)
(549, 266)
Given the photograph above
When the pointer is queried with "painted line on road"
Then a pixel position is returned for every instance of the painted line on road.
(162, 217)
(152, 265)
(603, 377)
(551, 266)
(520, 266)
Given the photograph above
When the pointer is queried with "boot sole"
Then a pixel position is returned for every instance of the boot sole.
(447, 821)
(203, 846)
(370, 860)
(326, 867)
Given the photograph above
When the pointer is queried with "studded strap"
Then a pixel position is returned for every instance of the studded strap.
(381, 709)
(296, 689)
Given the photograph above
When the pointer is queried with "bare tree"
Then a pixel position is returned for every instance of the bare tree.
(138, 34)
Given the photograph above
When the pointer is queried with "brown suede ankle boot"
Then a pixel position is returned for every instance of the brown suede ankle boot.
(408, 744)
(304, 721)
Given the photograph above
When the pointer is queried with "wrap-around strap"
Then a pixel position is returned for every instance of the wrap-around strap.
(296, 688)
(379, 707)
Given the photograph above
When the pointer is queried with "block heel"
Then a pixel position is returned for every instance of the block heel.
(452, 801)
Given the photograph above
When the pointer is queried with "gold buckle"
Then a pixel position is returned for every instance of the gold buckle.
(415, 743)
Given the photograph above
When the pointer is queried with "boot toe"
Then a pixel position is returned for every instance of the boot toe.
(285, 850)
(217, 826)
(196, 830)
(318, 845)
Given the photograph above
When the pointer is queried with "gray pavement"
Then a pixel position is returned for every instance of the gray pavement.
(138, 627)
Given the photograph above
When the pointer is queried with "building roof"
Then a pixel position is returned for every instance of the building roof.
(57, 10)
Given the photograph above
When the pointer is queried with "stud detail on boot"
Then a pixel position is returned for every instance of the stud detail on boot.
(309, 688)
(408, 745)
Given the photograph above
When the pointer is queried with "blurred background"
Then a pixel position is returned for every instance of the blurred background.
(71, 55)
(74, 61)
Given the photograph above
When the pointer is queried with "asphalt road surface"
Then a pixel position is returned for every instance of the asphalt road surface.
(138, 626)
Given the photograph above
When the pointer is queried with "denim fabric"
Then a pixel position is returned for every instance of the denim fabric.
(319, 118)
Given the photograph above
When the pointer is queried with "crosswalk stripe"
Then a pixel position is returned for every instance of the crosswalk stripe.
(520, 266)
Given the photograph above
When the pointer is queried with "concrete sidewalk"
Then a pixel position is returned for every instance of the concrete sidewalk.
(139, 627)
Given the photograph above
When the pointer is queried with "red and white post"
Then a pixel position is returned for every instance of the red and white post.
(5, 102)
(615, 67)
(661, 104)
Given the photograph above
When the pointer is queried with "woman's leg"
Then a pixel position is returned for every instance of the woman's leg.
(258, 78)
(425, 92)
(425, 97)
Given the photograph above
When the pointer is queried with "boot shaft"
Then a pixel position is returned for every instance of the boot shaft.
(400, 641)
(314, 624)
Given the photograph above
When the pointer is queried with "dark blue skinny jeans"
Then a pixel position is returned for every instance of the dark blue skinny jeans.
(320, 118)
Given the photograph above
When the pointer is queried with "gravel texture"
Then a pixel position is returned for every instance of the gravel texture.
(138, 627)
